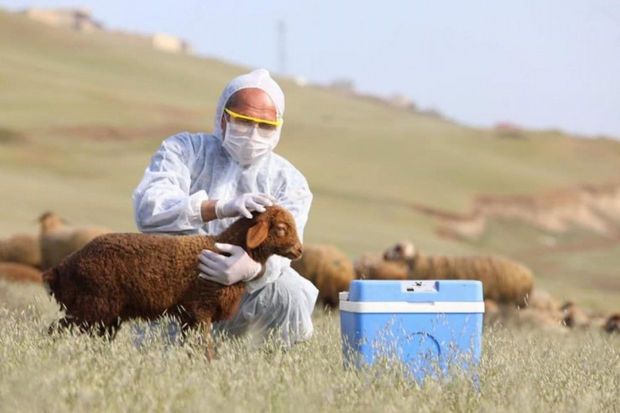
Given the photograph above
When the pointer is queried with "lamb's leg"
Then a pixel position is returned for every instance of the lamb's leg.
(68, 322)
(109, 330)
(185, 320)
(205, 331)
(194, 315)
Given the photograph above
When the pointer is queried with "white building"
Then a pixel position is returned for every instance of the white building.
(79, 19)
(170, 43)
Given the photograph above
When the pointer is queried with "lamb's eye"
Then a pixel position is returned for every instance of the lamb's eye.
(281, 230)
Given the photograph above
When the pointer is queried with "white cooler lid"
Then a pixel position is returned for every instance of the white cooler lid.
(408, 307)
(413, 296)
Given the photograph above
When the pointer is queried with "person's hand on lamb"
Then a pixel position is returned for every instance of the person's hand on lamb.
(243, 205)
(227, 269)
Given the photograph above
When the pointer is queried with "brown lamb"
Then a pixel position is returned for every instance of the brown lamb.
(117, 277)
(12, 271)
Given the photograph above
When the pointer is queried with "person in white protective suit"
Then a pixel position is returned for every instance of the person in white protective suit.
(201, 182)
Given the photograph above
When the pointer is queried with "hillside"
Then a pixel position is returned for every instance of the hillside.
(80, 115)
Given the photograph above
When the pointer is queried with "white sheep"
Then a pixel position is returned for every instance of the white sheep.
(574, 316)
(57, 240)
(21, 273)
(503, 280)
(541, 300)
(21, 248)
(328, 268)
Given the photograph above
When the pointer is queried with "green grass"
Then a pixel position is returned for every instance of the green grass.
(521, 371)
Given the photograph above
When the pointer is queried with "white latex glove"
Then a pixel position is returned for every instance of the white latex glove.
(227, 270)
(243, 205)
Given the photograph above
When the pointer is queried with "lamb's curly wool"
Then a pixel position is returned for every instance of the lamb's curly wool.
(12, 271)
(21, 248)
(328, 268)
(117, 277)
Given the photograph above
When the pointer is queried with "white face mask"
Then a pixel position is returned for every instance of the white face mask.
(246, 149)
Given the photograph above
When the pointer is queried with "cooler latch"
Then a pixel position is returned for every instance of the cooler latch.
(418, 286)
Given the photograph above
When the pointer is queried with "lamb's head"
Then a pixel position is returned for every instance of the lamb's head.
(402, 251)
(268, 233)
(50, 222)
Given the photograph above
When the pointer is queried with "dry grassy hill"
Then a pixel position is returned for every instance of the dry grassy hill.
(80, 115)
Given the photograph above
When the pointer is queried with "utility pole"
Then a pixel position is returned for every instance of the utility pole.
(281, 46)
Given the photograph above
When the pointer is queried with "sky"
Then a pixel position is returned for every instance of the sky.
(535, 63)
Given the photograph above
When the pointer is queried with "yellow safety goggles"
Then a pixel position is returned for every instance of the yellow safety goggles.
(261, 122)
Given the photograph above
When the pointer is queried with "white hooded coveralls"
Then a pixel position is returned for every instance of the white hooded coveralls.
(190, 168)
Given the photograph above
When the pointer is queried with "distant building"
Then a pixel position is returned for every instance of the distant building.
(78, 19)
(401, 101)
(344, 85)
(508, 130)
(300, 81)
(170, 43)
(432, 113)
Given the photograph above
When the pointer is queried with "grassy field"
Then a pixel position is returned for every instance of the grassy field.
(521, 370)
(80, 116)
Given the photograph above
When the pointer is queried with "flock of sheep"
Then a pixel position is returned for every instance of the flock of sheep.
(509, 293)
(101, 279)
(23, 256)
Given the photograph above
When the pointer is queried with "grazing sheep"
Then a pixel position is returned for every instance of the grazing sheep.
(543, 301)
(539, 319)
(504, 281)
(613, 324)
(374, 267)
(574, 316)
(538, 313)
(328, 269)
(58, 240)
(12, 271)
(511, 315)
(493, 312)
(21, 248)
(382, 270)
(401, 251)
(361, 263)
(117, 277)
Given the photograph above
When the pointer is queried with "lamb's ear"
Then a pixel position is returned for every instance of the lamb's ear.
(257, 234)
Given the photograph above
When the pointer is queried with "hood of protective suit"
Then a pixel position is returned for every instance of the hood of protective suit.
(259, 79)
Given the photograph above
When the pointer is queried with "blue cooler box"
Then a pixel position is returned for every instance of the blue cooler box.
(429, 326)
